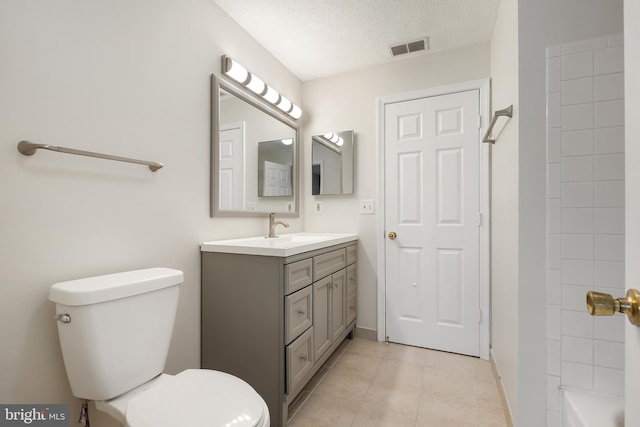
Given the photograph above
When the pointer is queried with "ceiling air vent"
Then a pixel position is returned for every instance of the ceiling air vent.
(410, 47)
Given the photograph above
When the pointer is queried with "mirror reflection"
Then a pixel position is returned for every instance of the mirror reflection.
(332, 163)
(275, 162)
(254, 151)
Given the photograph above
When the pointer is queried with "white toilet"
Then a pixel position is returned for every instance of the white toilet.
(115, 332)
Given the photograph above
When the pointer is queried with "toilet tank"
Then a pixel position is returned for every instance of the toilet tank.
(119, 330)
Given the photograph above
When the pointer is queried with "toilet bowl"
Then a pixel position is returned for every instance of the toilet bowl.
(193, 397)
(114, 334)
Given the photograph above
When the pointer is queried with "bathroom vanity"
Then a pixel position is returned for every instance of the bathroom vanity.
(274, 310)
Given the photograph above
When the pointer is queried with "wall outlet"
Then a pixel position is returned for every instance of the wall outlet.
(251, 206)
(317, 207)
(367, 207)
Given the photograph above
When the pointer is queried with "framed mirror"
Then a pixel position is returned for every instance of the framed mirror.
(254, 155)
(332, 163)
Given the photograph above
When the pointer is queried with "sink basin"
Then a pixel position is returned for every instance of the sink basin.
(283, 245)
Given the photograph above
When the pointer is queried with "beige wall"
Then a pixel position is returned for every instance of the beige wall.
(349, 101)
(523, 31)
(504, 200)
(127, 78)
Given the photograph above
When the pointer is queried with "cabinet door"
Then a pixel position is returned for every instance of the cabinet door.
(338, 306)
(352, 254)
(297, 314)
(352, 279)
(322, 315)
(352, 308)
(299, 360)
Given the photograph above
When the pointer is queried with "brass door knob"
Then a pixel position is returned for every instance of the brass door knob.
(600, 304)
(392, 235)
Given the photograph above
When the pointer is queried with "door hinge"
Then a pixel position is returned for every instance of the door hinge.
(479, 122)
(479, 315)
(479, 219)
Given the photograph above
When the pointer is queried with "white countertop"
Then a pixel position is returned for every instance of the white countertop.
(282, 245)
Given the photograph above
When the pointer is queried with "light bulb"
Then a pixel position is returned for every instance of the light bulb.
(284, 104)
(256, 85)
(340, 142)
(236, 71)
(271, 95)
(295, 112)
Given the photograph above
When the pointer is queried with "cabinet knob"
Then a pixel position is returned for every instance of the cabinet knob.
(303, 358)
(301, 312)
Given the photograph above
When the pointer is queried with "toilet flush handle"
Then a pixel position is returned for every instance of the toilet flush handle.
(63, 318)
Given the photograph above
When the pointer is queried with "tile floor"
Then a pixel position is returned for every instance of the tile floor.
(373, 384)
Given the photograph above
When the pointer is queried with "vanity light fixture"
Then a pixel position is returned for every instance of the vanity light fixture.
(332, 137)
(255, 84)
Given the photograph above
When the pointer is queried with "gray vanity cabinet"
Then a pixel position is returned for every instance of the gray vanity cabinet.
(273, 321)
(328, 311)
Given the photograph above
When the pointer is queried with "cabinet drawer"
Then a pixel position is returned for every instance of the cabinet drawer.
(299, 359)
(352, 254)
(352, 278)
(325, 264)
(352, 308)
(297, 275)
(298, 313)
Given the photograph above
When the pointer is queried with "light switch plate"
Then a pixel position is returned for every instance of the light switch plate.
(317, 207)
(367, 207)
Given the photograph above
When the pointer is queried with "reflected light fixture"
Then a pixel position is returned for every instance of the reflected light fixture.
(287, 141)
(255, 84)
(332, 137)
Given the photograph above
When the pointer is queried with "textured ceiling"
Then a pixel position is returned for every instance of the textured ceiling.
(318, 38)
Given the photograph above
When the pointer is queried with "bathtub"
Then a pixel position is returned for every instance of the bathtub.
(584, 409)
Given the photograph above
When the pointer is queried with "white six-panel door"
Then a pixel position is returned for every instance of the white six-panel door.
(277, 179)
(231, 158)
(432, 205)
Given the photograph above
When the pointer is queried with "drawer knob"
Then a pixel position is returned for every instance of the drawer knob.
(303, 358)
(301, 312)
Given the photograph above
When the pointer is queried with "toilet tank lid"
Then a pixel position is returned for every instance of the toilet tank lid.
(92, 290)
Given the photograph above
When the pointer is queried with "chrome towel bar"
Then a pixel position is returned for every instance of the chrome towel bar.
(508, 112)
(29, 148)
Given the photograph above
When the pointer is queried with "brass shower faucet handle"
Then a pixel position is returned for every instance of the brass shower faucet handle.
(600, 304)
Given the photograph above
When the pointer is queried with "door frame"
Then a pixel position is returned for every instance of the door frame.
(483, 87)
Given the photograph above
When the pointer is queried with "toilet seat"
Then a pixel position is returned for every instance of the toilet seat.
(199, 397)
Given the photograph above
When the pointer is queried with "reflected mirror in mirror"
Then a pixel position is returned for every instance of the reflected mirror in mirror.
(254, 156)
(332, 161)
(275, 161)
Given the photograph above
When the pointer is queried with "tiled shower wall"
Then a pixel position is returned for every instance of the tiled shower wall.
(585, 216)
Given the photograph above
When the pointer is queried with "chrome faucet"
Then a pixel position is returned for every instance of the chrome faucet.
(273, 223)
